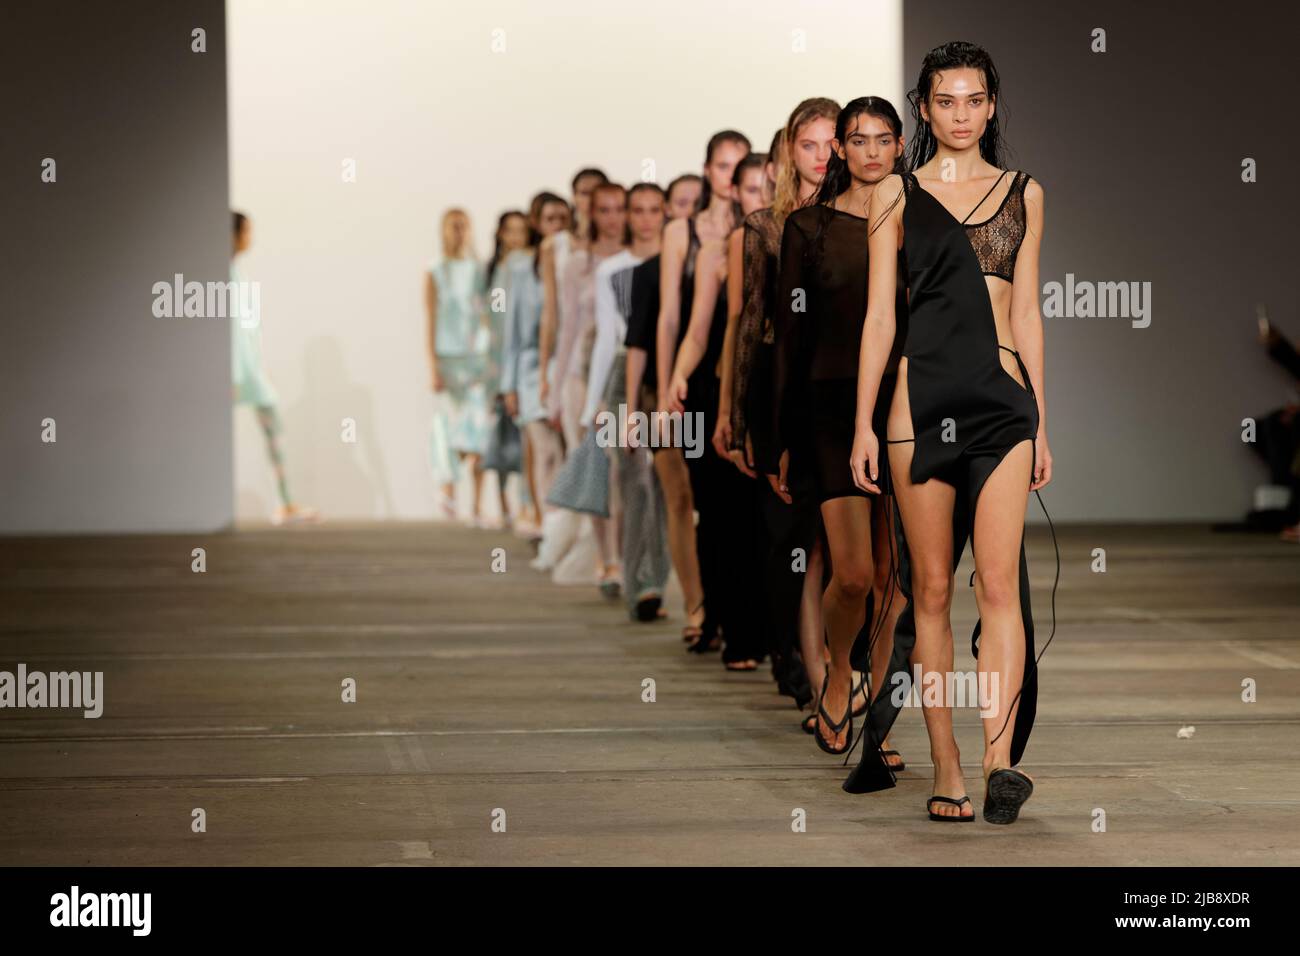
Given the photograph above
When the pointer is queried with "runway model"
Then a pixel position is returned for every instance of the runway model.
(790, 510)
(249, 383)
(966, 428)
(823, 253)
(458, 345)
(736, 515)
(502, 451)
(643, 396)
(585, 483)
(521, 373)
(562, 399)
(682, 240)
(644, 535)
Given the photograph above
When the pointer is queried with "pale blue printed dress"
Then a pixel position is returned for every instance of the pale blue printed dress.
(252, 387)
(460, 418)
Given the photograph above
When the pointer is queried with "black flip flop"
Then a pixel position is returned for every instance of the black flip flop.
(941, 818)
(859, 711)
(647, 609)
(846, 720)
(1005, 793)
(897, 768)
(809, 724)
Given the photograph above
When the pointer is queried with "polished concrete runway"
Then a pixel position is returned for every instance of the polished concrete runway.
(486, 696)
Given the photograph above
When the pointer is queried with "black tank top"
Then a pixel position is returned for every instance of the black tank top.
(717, 327)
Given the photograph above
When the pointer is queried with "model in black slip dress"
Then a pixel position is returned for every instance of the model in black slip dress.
(968, 412)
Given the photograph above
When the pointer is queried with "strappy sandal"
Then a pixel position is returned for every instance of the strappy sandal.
(707, 642)
(859, 711)
(611, 583)
(847, 719)
(866, 702)
(708, 639)
(693, 632)
(947, 818)
(1005, 793)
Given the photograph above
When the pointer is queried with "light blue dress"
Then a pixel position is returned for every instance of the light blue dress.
(252, 387)
(460, 419)
(520, 355)
(503, 451)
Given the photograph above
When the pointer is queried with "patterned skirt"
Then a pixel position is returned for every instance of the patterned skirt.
(460, 415)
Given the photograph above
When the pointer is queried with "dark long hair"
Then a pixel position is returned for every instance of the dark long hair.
(751, 161)
(540, 202)
(716, 140)
(838, 178)
(497, 251)
(951, 56)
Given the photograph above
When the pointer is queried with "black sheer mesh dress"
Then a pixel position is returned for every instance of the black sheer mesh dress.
(789, 527)
(751, 392)
(822, 306)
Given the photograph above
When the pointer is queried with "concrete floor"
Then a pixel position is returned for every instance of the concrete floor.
(478, 691)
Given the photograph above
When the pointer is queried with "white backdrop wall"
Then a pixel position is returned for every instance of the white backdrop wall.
(432, 116)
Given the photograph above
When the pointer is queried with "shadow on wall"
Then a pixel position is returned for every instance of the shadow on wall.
(336, 437)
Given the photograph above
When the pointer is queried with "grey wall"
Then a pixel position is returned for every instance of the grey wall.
(1139, 151)
(137, 125)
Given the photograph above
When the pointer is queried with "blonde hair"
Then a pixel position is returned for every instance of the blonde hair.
(787, 177)
(466, 250)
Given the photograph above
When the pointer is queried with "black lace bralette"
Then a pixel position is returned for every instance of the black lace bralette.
(996, 240)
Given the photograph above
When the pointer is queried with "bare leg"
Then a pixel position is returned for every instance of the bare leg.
(848, 533)
(999, 530)
(888, 602)
(269, 418)
(679, 504)
(530, 475)
(927, 521)
(502, 480)
(474, 463)
(812, 636)
(548, 455)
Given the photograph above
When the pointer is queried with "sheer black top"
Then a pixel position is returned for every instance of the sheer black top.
(821, 307)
